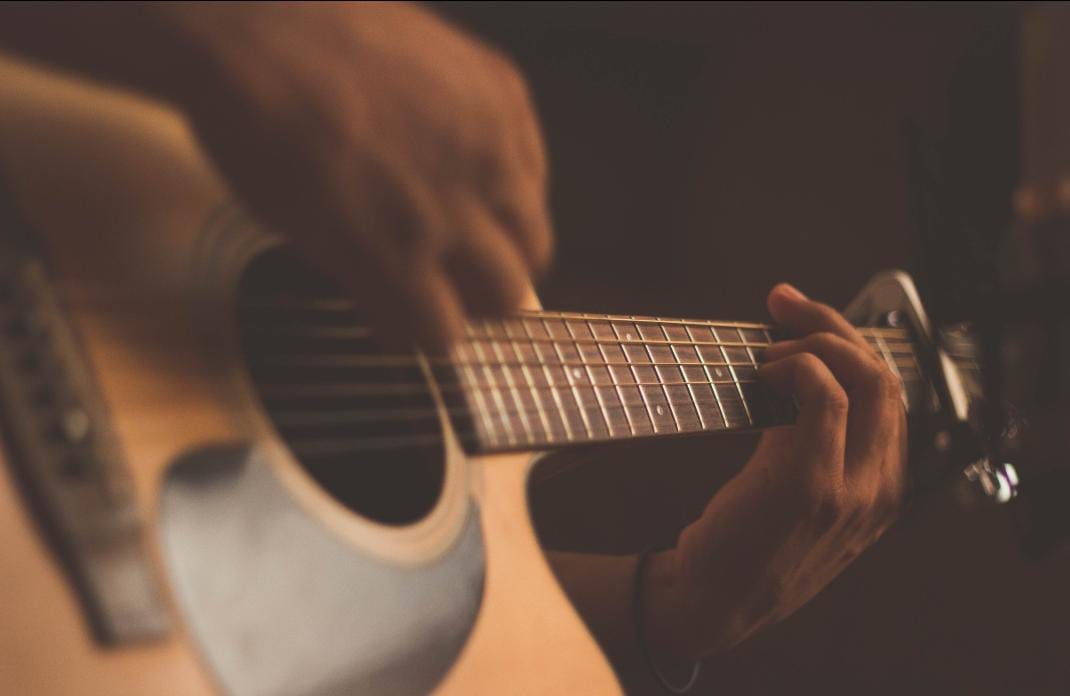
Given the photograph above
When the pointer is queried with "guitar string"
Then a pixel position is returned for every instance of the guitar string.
(500, 415)
(898, 336)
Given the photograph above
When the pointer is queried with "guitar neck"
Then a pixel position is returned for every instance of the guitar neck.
(548, 379)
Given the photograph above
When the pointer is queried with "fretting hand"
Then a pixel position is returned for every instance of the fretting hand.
(813, 496)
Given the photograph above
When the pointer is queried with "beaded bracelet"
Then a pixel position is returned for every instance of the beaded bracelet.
(637, 611)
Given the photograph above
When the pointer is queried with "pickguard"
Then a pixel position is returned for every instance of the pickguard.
(280, 604)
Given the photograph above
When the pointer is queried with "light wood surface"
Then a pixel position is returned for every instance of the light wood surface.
(121, 193)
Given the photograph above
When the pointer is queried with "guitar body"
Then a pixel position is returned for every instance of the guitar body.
(271, 585)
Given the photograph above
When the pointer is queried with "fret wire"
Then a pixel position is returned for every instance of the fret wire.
(668, 394)
(340, 304)
(572, 385)
(283, 390)
(509, 434)
(610, 427)
(639, 319)
(346, 361)
(615, 388)
(702, 418)
(754, 365)
(554, 389)
(716, 396)
(892, 363)
(536, 398)
(619, 387)
(529, 433)
(739, 388)
(481, 405)
(661, 384)
(348, 332)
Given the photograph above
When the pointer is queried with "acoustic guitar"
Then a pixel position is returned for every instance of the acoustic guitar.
(213, 481)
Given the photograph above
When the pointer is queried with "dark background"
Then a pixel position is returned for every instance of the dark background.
(701, 153)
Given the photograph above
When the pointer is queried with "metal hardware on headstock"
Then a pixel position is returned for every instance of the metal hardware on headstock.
(946, 435)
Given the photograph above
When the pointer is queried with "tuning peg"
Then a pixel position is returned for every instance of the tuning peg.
(984, 483)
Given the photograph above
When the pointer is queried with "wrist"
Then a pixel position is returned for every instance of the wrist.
(666, 616)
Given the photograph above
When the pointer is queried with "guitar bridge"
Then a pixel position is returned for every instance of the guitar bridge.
(64, 456)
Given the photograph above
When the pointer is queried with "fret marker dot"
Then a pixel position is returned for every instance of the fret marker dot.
(660, 410)
(718, 371)
(577, 373)
(628, 337)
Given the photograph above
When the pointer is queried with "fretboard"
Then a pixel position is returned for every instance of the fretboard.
(546, 379)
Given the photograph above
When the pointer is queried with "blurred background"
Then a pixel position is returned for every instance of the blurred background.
(701, 153)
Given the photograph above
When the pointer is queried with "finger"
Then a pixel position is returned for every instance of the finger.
(800, 315)
(873, 393)
(821, 426)
(404, 305)
(517, 198)
(485, 265)
(422, 307)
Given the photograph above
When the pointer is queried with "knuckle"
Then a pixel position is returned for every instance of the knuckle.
(771, 594)
(810, 365)
(889, 501)
(891, 386)
(835, 399)
(510, 75)
(828, 511)
(826, 312)
(824, 338)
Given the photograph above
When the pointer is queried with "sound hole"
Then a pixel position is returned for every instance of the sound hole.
(361, 422)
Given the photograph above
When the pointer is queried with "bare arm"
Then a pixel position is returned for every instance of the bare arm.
(405, 159)
(398, 154)
(812, 498)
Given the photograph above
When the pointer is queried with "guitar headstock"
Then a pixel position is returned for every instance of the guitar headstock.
(950, 426)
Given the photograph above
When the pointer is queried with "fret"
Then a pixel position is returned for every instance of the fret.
(625, 331)
(566, 399)
(622, 336)
(685, 354)
(889, 360)
(542, 379)
(707, 406)
(731, 402)
(620, 374)
(594, 416)
(635, 353)
(711, 354)
(565, 389)
(601, 330)
(607, 395)
(495, 393)
(639, 418)
(551, 378)
(554, 430)
(675, 421)
(525, 408)
(726, 335)
(675, 332)
(636, 320)
(597, 419)
(759, 402)
(687, 419)
(657, 408)
(682, 400)
(480, 405)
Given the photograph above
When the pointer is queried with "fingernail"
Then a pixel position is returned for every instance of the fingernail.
(790, 291)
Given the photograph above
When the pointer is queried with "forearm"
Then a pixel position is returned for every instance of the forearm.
(135, 45)
(602, 588)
